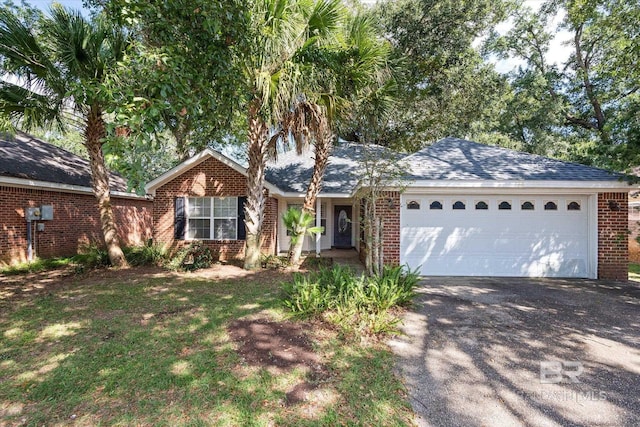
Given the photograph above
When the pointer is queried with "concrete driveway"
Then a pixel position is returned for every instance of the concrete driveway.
(539, 352)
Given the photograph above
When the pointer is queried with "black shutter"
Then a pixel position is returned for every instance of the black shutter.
(242, 231)
(179, 226)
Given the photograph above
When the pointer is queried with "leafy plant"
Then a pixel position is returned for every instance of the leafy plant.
(274, 261)
(148, 254)
(91, 256)
(299, 223)
(190, 258)
(355, 303)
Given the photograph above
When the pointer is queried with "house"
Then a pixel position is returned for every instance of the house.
(47, 206)
(466, 209)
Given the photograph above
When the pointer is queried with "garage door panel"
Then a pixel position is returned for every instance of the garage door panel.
(491, 242)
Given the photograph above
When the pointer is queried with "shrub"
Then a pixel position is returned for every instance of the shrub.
(149, 254)
(354, 303)
(274, 261)
(191, 258)
(91, 256)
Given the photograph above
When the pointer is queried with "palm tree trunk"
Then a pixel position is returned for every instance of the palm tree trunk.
(94, 134)
(254, 206)
(322, 152)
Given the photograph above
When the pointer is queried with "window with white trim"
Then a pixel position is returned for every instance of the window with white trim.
(212, 218)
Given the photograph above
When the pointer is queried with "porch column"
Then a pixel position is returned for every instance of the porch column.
(318, 224)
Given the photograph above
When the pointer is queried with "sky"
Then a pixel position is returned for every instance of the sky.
(558, 52)
(45, 4)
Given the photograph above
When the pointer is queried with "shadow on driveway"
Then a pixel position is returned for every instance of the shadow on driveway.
(473, 349)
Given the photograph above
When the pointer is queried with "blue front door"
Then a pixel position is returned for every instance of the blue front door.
(342, 227)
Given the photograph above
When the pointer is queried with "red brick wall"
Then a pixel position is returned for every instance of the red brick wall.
(613, 246)
(388, 208)
(211, 178)
(75, 222)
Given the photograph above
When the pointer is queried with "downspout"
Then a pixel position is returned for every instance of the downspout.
(29, 242)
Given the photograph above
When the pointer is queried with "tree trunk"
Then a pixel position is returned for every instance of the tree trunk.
(295, 249)
(94, 134)
(322, 152)
(254, 206)
(583, 70)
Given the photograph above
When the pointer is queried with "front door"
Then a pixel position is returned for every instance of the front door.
(342, 227)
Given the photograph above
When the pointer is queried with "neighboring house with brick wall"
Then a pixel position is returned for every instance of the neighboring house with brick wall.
(467, 209)
(35, 174)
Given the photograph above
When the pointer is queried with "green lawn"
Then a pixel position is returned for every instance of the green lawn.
(146, 347)
(634, 272)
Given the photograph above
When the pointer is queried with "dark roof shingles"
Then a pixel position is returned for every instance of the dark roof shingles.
(23, 156)
(291, 172)
(459, 159)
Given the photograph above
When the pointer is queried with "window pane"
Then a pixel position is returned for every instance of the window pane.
(573, 206)
(199, 229)
(550, 206)
(482, 206)
(413, 205)
(458, 205)
(224, 229)
(435, 205)
(504, 206)
(225, 208)
(199, 207)
(527, 206)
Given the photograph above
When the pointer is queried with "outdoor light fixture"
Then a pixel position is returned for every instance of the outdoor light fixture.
(390, 203)
(613, 205)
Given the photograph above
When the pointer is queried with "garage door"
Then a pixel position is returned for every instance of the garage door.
(519, 236)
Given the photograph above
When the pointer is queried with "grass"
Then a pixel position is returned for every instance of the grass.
(151, 348)
(37, 265)
(634, 272)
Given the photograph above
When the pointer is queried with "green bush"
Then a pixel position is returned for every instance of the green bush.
(91, 256)
(353, 302)
(191, 258)
(149, 254)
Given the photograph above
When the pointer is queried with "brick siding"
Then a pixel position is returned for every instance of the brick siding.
(76, 222)
(210, 178)
(387, 208)
(613, 236)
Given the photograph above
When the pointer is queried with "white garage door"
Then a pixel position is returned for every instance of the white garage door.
(518, 236)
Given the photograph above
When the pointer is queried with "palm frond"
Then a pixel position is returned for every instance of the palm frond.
(28, 109)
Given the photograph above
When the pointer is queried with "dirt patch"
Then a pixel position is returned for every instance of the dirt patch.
(282, 347)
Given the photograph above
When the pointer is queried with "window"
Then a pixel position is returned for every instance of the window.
(435, 205)
(212, 218)
(413, 205)
(551, 206)
(199, 215)
(527, 206)
(482, 206)
(504, 206)
(573, 206)
(459, 205)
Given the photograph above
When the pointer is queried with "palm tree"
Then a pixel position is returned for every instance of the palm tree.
(283, 30)
(353, 72)
(61, 67)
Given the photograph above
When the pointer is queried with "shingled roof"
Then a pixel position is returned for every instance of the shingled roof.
(24, 156)
(459, 159)
(291, 172)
